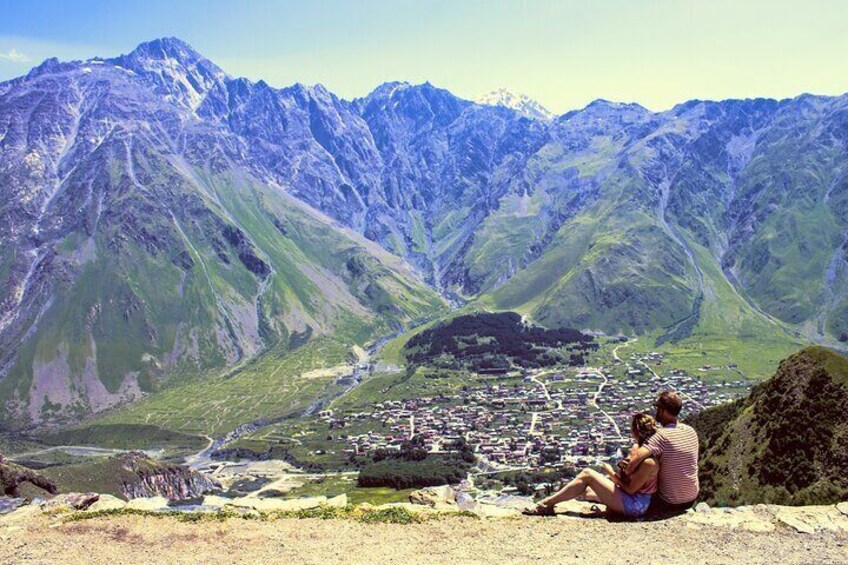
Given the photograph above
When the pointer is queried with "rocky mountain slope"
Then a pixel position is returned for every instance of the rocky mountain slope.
(787, 442)
(143, 236)
(161, 219)
(133, 475)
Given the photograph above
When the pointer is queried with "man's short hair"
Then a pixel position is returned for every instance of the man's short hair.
(670, 401)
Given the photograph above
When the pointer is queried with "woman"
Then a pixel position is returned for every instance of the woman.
(627, 495)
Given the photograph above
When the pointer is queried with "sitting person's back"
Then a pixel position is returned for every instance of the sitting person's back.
(675, 446)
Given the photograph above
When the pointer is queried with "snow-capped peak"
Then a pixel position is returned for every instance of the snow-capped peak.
(521, 103)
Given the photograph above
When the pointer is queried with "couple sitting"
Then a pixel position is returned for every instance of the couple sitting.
(660, 477)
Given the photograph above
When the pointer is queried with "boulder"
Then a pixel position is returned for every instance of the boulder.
(796, 523)
(71, 501)
(339, 501)
(812, 519)
(8, 504)
(152, 504)
(843, 507)
(466, 502)
(107, 502)
(431, 496)
(277, 505)
(702, 507)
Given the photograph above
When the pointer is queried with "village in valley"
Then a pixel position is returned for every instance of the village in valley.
(532, 419)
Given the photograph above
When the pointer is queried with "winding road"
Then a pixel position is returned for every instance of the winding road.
(594, 403)
(625, 344)
(75, 450)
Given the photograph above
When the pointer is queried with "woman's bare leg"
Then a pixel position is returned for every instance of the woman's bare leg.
(590, 496)
(602, 487)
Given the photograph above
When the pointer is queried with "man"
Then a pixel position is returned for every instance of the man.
(675, 446)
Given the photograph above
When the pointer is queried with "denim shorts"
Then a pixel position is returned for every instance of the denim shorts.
(635, 505)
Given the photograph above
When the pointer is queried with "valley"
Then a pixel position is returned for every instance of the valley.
(216, 271)
(309, 431)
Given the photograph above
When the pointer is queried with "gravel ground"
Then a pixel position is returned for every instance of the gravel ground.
(135, 539)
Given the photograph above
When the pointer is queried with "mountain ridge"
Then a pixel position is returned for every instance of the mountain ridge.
(710, 219)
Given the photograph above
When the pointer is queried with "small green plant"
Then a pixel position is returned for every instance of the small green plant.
(364, 514)
(391, 516)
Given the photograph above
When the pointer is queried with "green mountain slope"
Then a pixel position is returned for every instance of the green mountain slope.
(785, 443)
(220, 270)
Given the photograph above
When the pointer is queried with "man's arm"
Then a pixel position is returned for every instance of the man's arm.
(637, 455)
(639, 478)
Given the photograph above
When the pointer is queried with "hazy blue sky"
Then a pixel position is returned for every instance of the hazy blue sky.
(563, 53)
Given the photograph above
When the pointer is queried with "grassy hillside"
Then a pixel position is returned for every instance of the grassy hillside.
(163, 297)
(273, 386)
(787, 442)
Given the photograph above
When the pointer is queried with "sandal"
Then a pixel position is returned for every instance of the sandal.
(539, 510)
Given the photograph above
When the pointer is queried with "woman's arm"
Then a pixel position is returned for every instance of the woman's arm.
(640, 477)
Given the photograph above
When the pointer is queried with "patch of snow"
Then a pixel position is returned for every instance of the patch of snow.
(521, 103)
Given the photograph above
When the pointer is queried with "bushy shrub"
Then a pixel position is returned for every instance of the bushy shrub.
(434, 470)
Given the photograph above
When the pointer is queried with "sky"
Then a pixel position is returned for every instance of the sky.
(562, 53)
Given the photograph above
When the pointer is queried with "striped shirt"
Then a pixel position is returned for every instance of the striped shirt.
(676, 449)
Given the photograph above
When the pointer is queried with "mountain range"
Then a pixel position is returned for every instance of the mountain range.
(160, 218)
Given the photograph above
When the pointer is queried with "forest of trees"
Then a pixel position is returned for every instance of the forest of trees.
(413, 467)
(489, 342)
(525, 481)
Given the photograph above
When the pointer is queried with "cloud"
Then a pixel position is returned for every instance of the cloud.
(14, 56)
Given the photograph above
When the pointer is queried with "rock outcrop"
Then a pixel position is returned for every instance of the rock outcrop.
(433, 496)
(107, 502)
(72, 501)
(143, 477)
(151, 504)
(12, 476)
